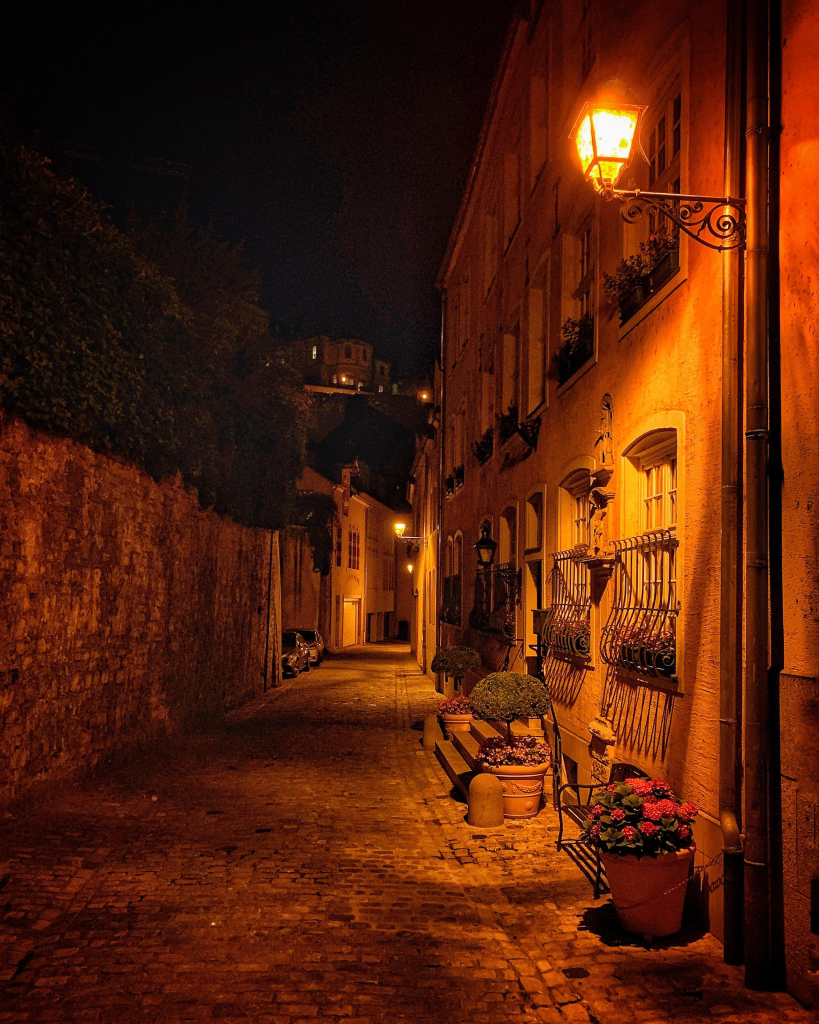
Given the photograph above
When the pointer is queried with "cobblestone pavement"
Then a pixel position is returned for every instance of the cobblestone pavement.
(306, 862)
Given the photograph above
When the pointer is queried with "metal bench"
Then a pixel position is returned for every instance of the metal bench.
(578, 812)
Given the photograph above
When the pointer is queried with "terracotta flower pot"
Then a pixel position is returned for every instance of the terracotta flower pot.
(456, 723)
(522, 787)
(649, 892)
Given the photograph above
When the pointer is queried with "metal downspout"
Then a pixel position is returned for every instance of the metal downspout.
(730, 702)
(441, 458)
(758, 952)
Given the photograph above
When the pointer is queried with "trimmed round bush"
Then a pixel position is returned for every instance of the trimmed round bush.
(505, 696)
(456, 661)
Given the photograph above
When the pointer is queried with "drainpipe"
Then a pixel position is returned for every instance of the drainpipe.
(758, 953)
(730, 689)
(441, 459)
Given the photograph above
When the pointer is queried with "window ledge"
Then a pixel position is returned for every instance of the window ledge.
(575, 377)
(654, 300)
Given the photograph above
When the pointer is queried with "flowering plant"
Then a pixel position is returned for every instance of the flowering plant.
(639, 816)
(456, 706)
(523, 750)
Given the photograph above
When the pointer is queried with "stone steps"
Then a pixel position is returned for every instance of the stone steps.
(454, 765)
(458, 757)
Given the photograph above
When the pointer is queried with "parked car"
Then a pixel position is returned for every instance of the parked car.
(295, 653)
(313, 639)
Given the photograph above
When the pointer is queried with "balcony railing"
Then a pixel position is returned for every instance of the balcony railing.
(641, 631)
(451, 605)
(568, 633)
(497, 595)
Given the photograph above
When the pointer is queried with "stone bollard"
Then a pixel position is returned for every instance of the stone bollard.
(432, 732)
(485, 802)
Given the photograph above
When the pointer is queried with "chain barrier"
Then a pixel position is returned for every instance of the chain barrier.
(697, 871)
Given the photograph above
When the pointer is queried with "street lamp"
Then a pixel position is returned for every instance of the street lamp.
(399, 530)
(604, 135)
(485, 547)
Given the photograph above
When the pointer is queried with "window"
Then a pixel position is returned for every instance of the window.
(511, 187)
(585, 272)
(380, 389)
(509, 383)
(353, 548)
(534, 522)
(348, 351)
(573, 497)
(664, 147)
(538, 124)
(537, 348)
(508, 538)
(335, 378)
(315, 351)
(339, 544)
(490, 245)
(580, 519)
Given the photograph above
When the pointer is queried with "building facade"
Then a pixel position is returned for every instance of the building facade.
(356, 602)
(583, 427)
(347, 364)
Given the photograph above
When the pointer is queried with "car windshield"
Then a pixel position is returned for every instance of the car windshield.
(288, 640)
(309, 635)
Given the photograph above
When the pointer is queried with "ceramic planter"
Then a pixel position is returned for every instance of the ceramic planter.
(649, 892)
(456, 723)
(522, 787)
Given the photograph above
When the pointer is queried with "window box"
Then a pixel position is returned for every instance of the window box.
(639, 277)
(577, 348)
(507, 424)
(665, 270)
(449, 485)
(459, 477)
(483, 448)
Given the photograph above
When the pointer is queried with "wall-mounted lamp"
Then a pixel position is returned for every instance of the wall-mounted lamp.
(485, 547)
(604, 136)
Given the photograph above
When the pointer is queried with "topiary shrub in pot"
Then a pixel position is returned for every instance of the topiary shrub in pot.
(456, 662)
(519, 763)
(646, 844)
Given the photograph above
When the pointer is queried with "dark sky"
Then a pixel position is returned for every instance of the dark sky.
(334, 138)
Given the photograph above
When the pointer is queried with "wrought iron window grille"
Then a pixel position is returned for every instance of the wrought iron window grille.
(497, 595)
(568, 632)
(641, 631)
(451, 605)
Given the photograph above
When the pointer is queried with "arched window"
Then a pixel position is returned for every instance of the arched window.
(508, 537)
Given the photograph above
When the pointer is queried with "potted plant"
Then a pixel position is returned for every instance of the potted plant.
(571, 638)
(576, 349)
(459, 476)
(520, 763)
(456, 662)
(456, 714)
(627, 285)
(482, 448)
(507, 423)
(646, 845)
(449, 484)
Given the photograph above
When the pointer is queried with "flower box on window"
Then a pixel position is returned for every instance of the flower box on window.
(568, 631)
(507, 423)
(639, 277)
(576, 349)
(483, 448)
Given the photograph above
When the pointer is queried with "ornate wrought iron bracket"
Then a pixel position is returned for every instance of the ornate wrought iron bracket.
(529, 431)
(700, 217)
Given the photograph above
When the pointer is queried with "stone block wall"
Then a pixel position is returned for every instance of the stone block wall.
(125, 610)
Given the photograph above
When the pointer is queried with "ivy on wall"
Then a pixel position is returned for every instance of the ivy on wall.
(149, 345)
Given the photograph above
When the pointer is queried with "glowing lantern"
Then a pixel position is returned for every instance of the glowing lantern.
(604, 136)
(409, 567)
(399, 529)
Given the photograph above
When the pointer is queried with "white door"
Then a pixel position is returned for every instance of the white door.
(349, 635)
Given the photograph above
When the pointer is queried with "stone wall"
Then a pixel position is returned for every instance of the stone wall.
(125, 610)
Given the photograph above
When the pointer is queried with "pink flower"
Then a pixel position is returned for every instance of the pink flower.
(595, 830)
(629, 833)
(684, 832)
(597, 811)
(618, 814)
(648, 829)
(612, 786)
(661, 787)
(652, 811)
(642, 787)
(688, 811)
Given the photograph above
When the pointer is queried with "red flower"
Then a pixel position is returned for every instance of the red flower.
(611, 787)
(595, 830)
(648, 829)
(642, 787)
(661, 787)
(618, 814)
(688, 812)
(597, 811)
(652, 811)
(629, 833)
(684, 832)
(669, 808)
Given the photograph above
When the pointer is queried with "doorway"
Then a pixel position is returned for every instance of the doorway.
(350, 625)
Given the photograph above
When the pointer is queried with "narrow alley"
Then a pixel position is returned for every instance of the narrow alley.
(306, 861)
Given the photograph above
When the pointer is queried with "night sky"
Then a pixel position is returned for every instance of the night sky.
(333, 138)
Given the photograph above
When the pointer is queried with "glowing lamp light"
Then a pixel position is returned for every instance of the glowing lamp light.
(399, 529)
(424, 396)
(604, 136)
(410, 568)
(343, 379)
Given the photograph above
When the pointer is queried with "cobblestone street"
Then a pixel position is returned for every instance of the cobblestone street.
(307, 862)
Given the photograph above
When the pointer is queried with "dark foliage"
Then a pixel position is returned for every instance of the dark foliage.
(151, 347)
